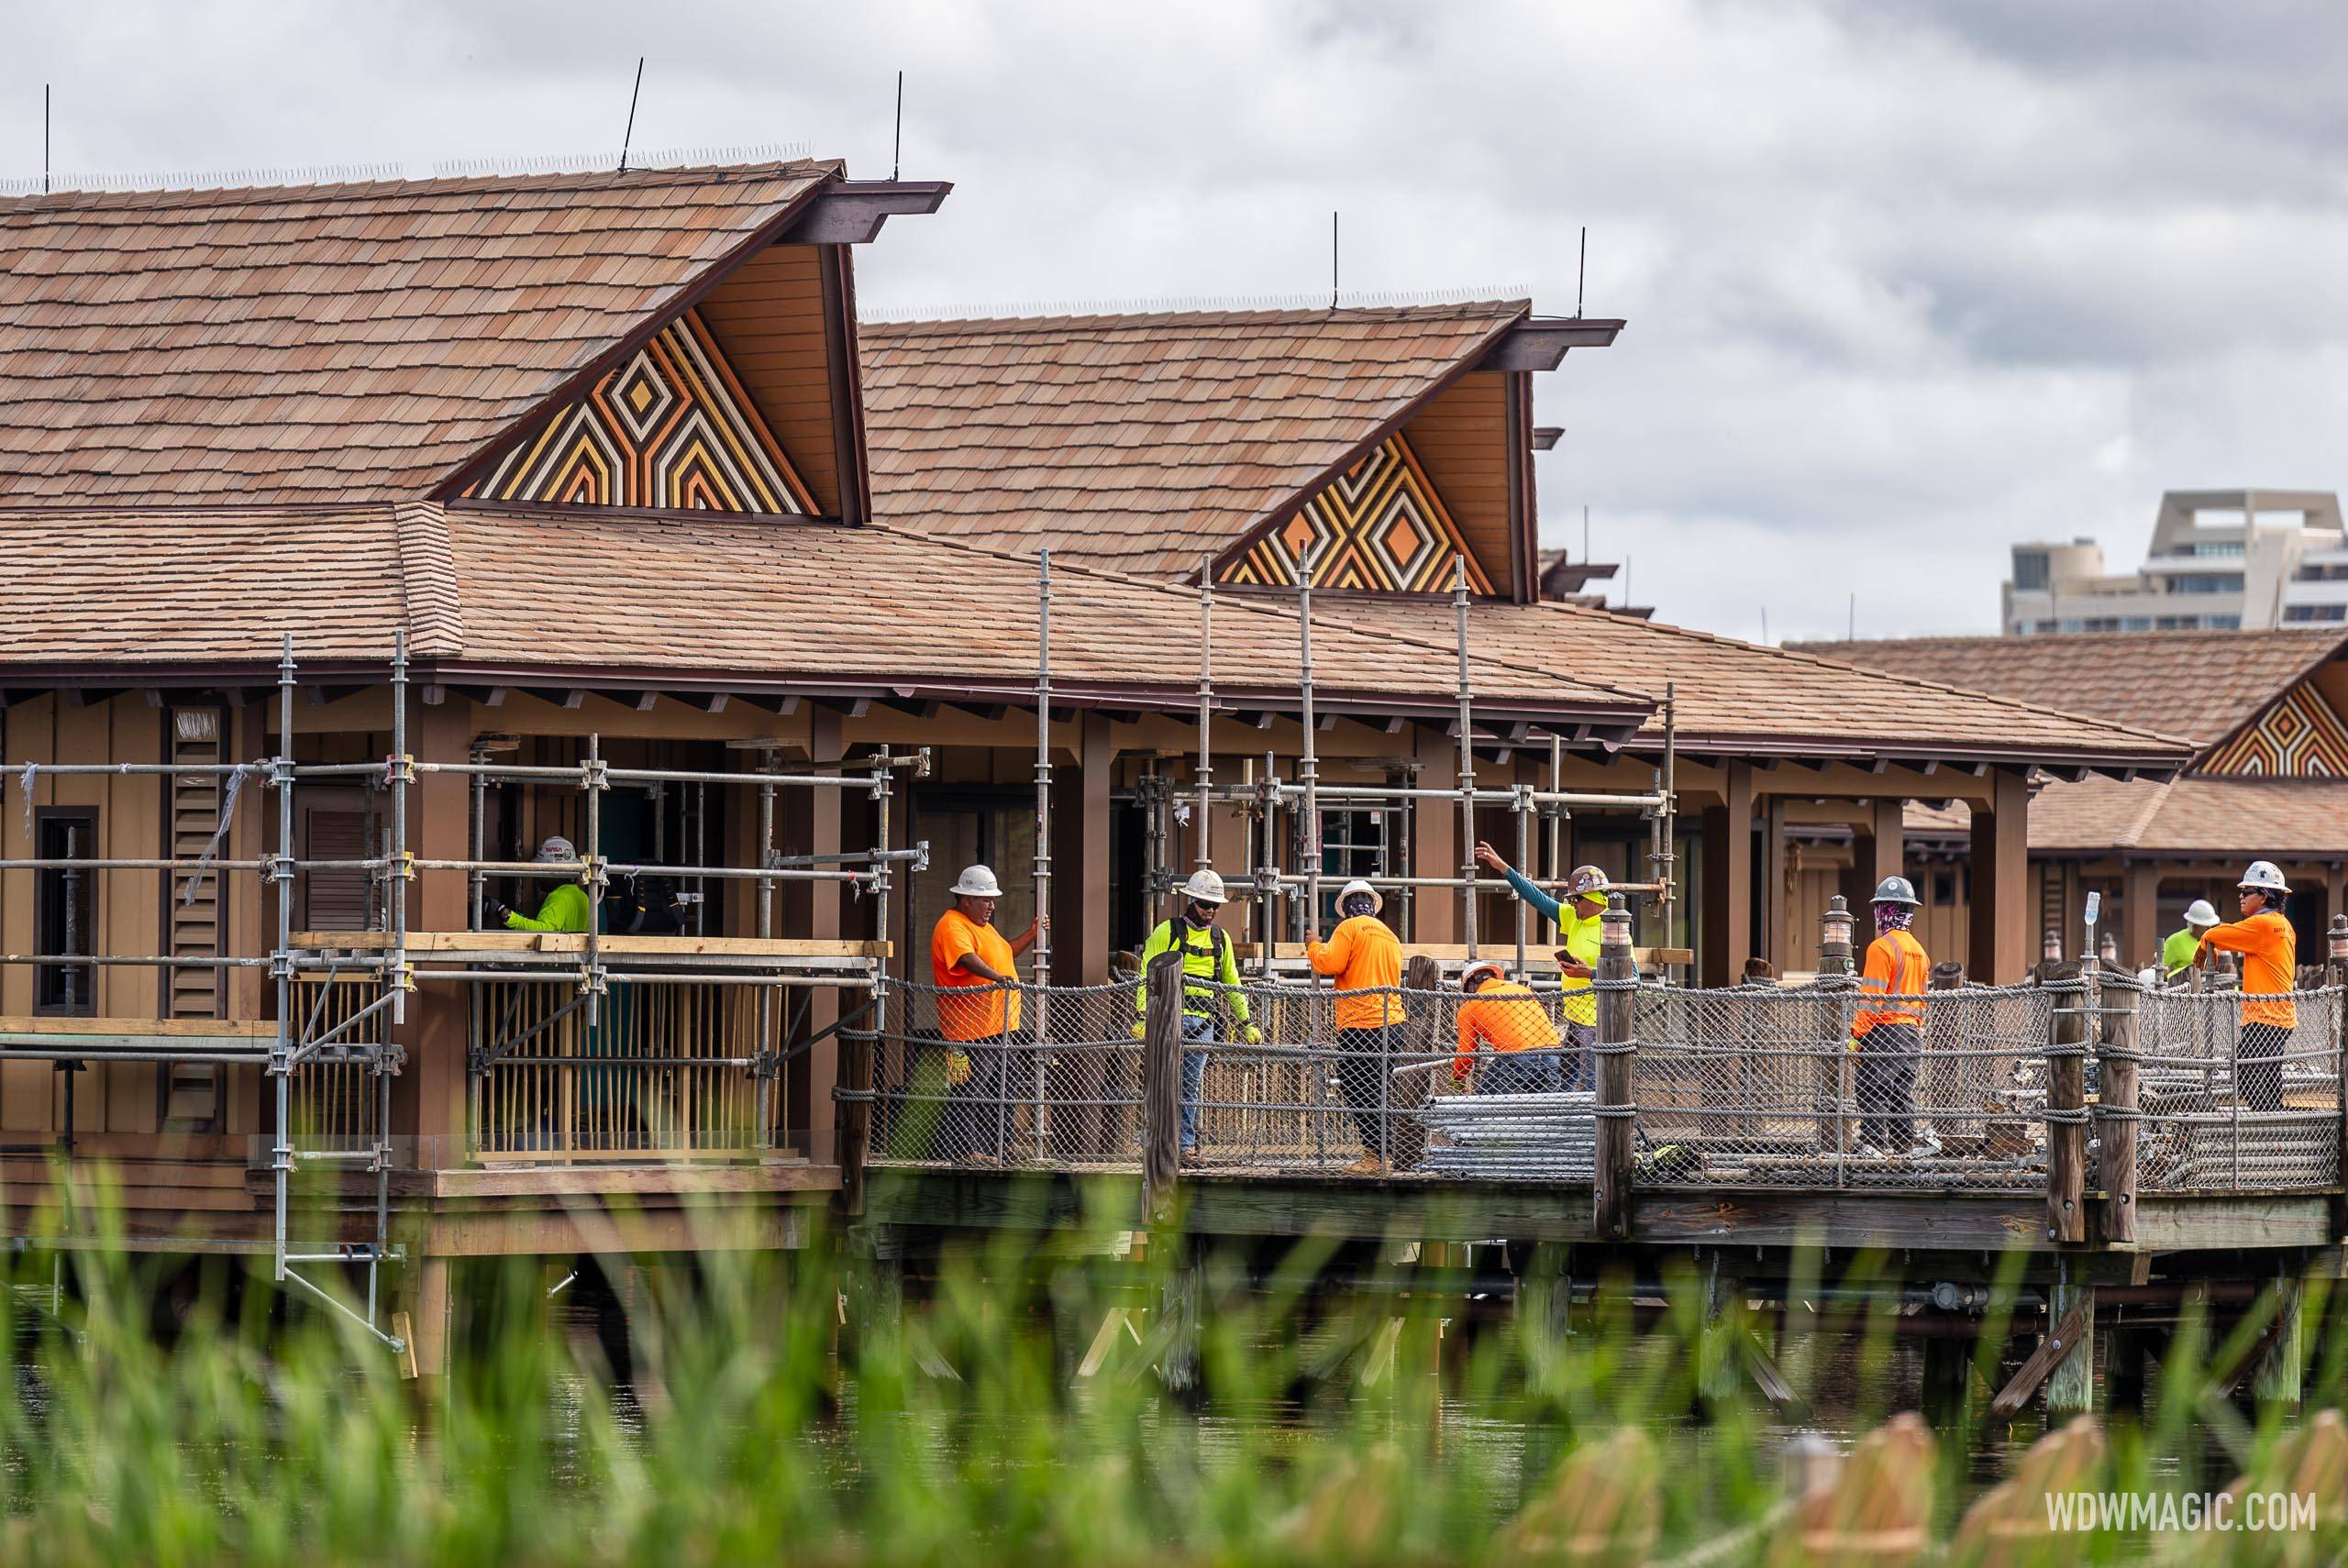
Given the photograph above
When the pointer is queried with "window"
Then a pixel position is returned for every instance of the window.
(1355, 844)
(2206, 583)
(2137, 623)
(2225, 622)
(2321, 571)
(65, 914)
(2030, 574)
(2179, 624)
(2101, 623)
(2315, 611)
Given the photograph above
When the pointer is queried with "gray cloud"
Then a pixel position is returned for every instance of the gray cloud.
(1906, 282)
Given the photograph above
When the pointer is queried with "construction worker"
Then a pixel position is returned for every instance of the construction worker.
(1206, 960)
(1581, 927)
(1505, 1015)
(565, 907)
(2270, 955)
(1890, 1036)
(977, 974)
(2183, 946)
(1366, 960)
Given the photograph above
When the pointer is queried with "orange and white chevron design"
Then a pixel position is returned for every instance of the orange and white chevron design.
(1379, 525)
(2298, 738)
(669, 426)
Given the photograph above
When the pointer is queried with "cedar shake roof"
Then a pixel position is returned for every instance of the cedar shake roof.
(692, 596)
(1142, 443)
(1739, 697)
(331, 344)
(2200, 685)
(2233, 818)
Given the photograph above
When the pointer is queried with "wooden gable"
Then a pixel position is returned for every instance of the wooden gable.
(669, 426)
(2299, 736)
(1379, 527)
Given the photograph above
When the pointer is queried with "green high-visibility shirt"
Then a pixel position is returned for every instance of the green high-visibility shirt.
(1206, 955)
(2177, 952)
(565, 909)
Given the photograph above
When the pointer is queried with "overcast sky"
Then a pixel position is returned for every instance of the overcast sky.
(1905, 282)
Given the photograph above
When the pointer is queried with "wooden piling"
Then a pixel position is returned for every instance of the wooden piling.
(1161, 1083)
(1544, 1308)
(2278, 1377)
(2070, 1386)
(2117, 1113)
(1617, 973)
(2067, 1094)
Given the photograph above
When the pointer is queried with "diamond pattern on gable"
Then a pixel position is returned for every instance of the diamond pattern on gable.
(2300, 736)
(668, 428)
(1378, 527)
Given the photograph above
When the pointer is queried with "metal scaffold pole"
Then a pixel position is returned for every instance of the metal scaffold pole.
(1467, 762)
(281, 1058)
(1043, 961)
(1308, 765)
(1204, 859)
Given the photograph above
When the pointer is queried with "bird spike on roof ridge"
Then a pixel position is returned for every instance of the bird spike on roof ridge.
(1033, 310)
(366, 173)
(199, 179)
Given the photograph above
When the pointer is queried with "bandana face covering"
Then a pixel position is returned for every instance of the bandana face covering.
(1889, 918)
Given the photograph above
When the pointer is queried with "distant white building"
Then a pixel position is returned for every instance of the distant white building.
(2220, 559)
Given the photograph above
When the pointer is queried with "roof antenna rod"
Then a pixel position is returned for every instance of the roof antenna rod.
(627, 138)
(1332, 260)
(1581, 272)
(897, 146)
(44, 139)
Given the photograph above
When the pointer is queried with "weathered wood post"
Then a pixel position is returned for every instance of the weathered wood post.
(2073, 993)
(854, 1096)
(1618, 976)
(2117, 1113)
(1836, 969)
(1428, 1026)
(2070, 1317)
(1162, 1084)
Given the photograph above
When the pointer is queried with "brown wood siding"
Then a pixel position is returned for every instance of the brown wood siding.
(1461, 440)
(768, 319)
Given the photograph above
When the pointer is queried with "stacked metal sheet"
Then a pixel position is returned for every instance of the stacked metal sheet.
(1547, 1137)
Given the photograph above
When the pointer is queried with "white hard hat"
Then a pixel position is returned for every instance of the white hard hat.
(1468, 976)
(1377, 899)
(977, 882)
(557, 849)
(2264, 877)
(1204, 886)
(2200, 911)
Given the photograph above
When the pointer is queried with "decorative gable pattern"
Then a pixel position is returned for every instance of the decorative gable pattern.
(1379, 525)
(2298, 738)
(668, 427)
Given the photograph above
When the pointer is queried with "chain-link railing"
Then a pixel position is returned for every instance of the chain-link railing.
(993, 1075)
(2235, 1093)
(1822, 1087)
(1831, 1086)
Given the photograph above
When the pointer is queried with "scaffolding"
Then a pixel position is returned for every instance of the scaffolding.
(334, 1027)
(1284, 844)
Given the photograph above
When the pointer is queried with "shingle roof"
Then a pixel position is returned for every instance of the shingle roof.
(1735, 696)
(693, 595)
(2198, 685)
(1141, 443)
(2233, 817)
(330, 343)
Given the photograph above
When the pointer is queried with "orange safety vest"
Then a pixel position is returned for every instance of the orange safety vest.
(1897, 966)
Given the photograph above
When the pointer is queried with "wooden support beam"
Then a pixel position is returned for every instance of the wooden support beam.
(1728, 879)
(2066, 1127)
(2070, 1382)
(780, 704)
(2052, 1352)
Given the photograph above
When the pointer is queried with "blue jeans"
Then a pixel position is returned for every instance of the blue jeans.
(1579, 1070)
(1520, 1072)
(1194, 1077)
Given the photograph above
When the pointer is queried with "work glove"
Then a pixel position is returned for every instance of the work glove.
(498, 909)
(1852, 1044)
(1459, 1074)
(1138, 1029)
(957, 1067)
(1251, 1035)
